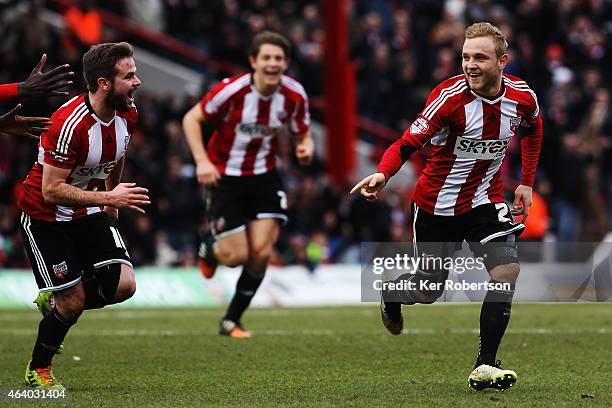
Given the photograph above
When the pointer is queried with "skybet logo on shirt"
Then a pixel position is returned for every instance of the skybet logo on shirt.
(487, 149)
(101, 171)
(256, 130)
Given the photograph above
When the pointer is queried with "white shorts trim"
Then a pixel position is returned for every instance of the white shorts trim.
(40, 262)
(224, 234)
(60, 287)
(278, 216)
(502, 233)
(113, 261)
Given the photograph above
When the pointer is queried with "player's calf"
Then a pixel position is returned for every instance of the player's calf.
(70, 302)
(45, 302)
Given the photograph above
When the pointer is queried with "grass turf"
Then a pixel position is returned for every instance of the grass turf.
(319, 357)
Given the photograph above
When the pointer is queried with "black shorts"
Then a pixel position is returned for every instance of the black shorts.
(61, 251)
(443, 234)
(237, 200)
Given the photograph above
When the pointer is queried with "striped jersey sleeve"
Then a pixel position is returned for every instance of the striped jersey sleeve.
(60, 144)
(217, 102)
(431, 122)
(434, 116)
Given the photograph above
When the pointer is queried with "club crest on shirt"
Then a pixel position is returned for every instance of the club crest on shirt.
(515, 123)
(60, 270)
(419, 127)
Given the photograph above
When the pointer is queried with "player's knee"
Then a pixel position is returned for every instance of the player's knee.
(231, 256)
(260, 254)
(109, 277)
(127, 285)
(506, 273)
(501, 258)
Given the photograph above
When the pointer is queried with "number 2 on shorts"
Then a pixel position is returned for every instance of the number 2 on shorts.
(502, 209)
(283, 199)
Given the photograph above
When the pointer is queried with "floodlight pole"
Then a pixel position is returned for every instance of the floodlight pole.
(340, 95)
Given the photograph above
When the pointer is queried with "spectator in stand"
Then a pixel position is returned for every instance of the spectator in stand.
(83, 25)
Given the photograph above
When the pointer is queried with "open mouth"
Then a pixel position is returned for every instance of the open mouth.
(130, 95)
(271, 73)
(473, 75)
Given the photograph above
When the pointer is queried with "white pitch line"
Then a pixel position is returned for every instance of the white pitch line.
(152, 314)
(305, 332)
(528, 330)
(167, 333)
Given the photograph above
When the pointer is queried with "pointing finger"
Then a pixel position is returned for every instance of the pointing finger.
(41, 64)
(358, 186)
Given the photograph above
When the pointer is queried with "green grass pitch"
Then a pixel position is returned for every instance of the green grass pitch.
(562, 354)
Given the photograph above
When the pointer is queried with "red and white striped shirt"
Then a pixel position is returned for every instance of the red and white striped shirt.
(469, 136)
(78, 140)
(245, 141)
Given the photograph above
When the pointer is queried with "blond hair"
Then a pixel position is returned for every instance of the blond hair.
(483, 29)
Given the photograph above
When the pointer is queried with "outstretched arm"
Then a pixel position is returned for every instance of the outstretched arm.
(393, 158)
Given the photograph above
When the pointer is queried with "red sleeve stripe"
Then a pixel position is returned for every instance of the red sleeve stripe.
(446, 93)
(68, 127)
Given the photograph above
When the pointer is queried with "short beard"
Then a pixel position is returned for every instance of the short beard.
(116, 101)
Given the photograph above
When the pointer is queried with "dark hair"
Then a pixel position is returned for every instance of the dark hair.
(269, 37)
(100, 60)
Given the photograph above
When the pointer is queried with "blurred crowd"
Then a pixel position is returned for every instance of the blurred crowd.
(401, 50)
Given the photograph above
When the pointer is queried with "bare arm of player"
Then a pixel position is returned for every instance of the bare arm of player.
(206, 172)
(56, 191)
(113, 180)
(304, 148)
(370, 186)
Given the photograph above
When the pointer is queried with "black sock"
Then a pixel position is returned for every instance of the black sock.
(246, 287)
(93, 297)
(494, 318)
(51, 332)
